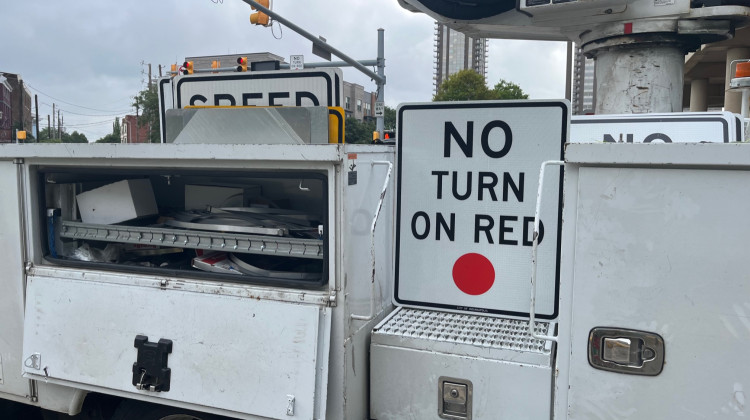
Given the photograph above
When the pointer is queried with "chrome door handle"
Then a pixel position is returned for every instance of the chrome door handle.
(626, 351)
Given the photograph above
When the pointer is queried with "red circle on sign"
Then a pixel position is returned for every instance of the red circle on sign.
(473, 274)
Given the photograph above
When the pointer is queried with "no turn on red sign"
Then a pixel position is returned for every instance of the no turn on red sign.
(467, 181)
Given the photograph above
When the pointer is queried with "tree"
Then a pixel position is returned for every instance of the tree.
(389, 120)
(147, 102)
(508, 90)
(74, 137)
(358, 131)
(468, 85)
(116, 130)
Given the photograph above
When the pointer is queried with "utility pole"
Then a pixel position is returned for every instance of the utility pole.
(49, 129)
(59, 125)
(160, 71)
(149, 76)
(53, 120)
(20, 103)
(36, 104)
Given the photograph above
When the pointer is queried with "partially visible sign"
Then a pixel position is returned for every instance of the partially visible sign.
(311, 87)
(379, 109)
(296, 62)
(467, 180)
(682, 127)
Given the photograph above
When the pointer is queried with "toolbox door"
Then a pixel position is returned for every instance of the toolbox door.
(11, 281)
(660, 294)
(208, 347)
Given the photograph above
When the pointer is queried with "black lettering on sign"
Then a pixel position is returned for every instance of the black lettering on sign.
(657, 136)
(489, 186)
(440, 175)
(486, 139)
(483, 223)
(450, 229)
(466, 146)
(276, 95)
(609, 139)
(467, 192)
(247, 96)
(420, 215)
(508, 183)
(420, 226)
(506, 229)
(307, 95)
(224, 97)
(196, 98)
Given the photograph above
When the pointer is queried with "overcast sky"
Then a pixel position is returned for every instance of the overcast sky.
(90, 57)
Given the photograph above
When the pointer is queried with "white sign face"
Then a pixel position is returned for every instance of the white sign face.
(314, 87)
(297, 62)
(468, 175)
(379, 109)
(683, 127)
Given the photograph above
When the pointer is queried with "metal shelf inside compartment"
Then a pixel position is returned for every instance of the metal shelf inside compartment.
(216, 241)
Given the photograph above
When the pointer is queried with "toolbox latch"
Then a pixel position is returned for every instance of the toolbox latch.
(150, 371)
(455, 397)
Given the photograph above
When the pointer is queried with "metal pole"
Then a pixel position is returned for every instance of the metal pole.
(331, 64)
(36, 104)
(317, 41)
(568, 70)
(380, 119)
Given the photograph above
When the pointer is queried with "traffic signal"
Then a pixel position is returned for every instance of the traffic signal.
(188, 65)
(242, 61)
(260, 18)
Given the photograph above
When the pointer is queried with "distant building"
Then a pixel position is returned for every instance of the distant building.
(584, 84)
(358, 103)
(454, 51)
(6, 126)
(132, 132)
(20, 104)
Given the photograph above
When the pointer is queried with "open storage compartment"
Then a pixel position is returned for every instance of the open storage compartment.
(260, 227)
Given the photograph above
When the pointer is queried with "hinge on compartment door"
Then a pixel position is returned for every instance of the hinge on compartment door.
(332, 299)
(28, 267)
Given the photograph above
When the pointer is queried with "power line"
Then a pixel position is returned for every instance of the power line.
(118, 113)
(66, 102)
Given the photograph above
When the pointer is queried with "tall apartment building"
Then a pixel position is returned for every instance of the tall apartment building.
(584, 87)
(454, 51)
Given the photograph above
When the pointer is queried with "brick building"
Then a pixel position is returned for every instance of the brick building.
(128, 133)
(20, 103)
(6, 126)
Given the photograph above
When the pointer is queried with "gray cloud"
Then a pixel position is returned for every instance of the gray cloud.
(90, 52)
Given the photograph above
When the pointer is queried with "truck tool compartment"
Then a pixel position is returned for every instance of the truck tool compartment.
(246, 226)
(190, 276)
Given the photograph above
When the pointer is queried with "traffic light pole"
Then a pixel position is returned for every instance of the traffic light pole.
(378, 77)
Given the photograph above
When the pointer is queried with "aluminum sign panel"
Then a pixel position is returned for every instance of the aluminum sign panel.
(468, 176)
(719, 127)
(320, 87)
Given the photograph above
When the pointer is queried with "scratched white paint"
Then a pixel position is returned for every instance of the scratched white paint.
(239, 354)
(659, 250)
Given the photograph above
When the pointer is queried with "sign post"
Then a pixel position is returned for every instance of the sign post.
(467, 181)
